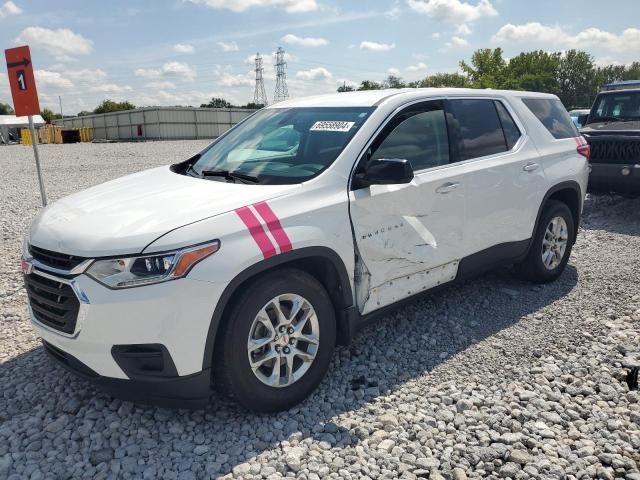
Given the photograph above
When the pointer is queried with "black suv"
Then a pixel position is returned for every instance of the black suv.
(613, 132)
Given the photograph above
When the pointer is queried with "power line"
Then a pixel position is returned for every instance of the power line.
(282, 92)
(259, 94)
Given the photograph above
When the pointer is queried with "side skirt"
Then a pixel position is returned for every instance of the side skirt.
(475, 264)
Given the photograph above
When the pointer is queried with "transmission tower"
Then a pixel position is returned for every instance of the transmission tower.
(281, 93)
(259, 95)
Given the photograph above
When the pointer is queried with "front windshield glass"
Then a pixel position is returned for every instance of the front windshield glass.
(283, 145)
(619, 106)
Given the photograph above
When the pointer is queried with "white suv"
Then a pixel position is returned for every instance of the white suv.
(243, 266)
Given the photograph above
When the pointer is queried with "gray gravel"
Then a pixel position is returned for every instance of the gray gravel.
(492, 378)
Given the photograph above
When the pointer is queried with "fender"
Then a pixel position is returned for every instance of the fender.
(325, 253)
(571, 185)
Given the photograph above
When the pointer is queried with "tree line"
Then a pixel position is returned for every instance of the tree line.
(573, 75)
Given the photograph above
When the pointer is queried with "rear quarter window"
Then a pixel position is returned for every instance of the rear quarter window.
(553, 116)
(509, 127)
(479, 128)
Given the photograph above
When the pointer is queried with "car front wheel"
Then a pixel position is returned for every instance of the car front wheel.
(277, 341)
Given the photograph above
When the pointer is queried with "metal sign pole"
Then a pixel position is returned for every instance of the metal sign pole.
(35, 152)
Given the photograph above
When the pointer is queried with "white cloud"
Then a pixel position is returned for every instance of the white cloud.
(319, 73)
(393, 13)
(46, 78)
(169, 69)
(183, 48)
(463, 29)
(393, 71)
(304, 41)
(230, 80)
(291, 6)
(456, 41)
(161, 85)
(148, 72)
(454, 11)
(59, 43)
(87, 75)
(228, 46)
(110, 89)
(627, 41)
(418, 67)
(9, 8)
(376, 47)
(178, 69)
(435, 35)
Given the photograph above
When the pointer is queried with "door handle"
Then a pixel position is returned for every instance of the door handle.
(530, 167)
(447, 187)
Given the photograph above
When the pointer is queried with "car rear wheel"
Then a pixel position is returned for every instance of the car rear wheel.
(277, 341)
(551, 246)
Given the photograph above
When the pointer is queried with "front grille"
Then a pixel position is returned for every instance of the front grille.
(61, 261)
(614, 150)
(53, 303)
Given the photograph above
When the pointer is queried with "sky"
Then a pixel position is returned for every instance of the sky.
(183, 52)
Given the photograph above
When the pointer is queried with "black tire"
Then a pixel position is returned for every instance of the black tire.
(236, 378)
(532, 267)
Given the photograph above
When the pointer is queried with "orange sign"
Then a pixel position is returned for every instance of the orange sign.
(22, 81)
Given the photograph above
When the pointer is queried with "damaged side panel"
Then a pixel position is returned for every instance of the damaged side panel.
(406, 242)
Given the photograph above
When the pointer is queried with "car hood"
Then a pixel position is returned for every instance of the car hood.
(125, 215)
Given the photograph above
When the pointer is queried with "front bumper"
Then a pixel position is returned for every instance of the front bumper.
(190, 391)
(146, 343)
(614, 177)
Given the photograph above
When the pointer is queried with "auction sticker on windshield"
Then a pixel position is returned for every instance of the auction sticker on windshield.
(332, 126)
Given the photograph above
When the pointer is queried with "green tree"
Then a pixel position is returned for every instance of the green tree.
(5, 109)
(446, 80)
(110, 106)
(487, 68)
(346, 88)
(393, 81)
(216, 102)
(84, 113)
(48, 116)
(535, 71)
(631, 71)
(253, 106)
(577, 82)
(370, 85)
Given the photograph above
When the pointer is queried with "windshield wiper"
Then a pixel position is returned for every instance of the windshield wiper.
(230, 175)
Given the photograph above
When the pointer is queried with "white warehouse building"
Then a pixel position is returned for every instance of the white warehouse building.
(159, 123)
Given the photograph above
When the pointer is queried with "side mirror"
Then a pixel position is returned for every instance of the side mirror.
(385, 171)
(582, 119)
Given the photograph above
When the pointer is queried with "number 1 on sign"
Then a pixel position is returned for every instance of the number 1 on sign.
(22, 82)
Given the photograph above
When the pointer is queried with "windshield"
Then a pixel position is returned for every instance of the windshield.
(617, 106)
(283, 145)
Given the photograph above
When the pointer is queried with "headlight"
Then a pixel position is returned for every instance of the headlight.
(25, 247)
(128, 272)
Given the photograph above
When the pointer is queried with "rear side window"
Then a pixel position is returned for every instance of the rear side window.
(479, 128)
(509, 127)
(553, 116)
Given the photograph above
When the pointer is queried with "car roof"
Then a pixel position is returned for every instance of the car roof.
(370, 98)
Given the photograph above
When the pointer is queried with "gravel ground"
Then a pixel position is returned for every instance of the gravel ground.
(492, 378)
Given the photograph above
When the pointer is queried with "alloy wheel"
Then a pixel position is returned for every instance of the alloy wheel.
(554, 242)
(283, 340)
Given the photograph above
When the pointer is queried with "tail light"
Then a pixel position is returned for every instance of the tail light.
(583, 147)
